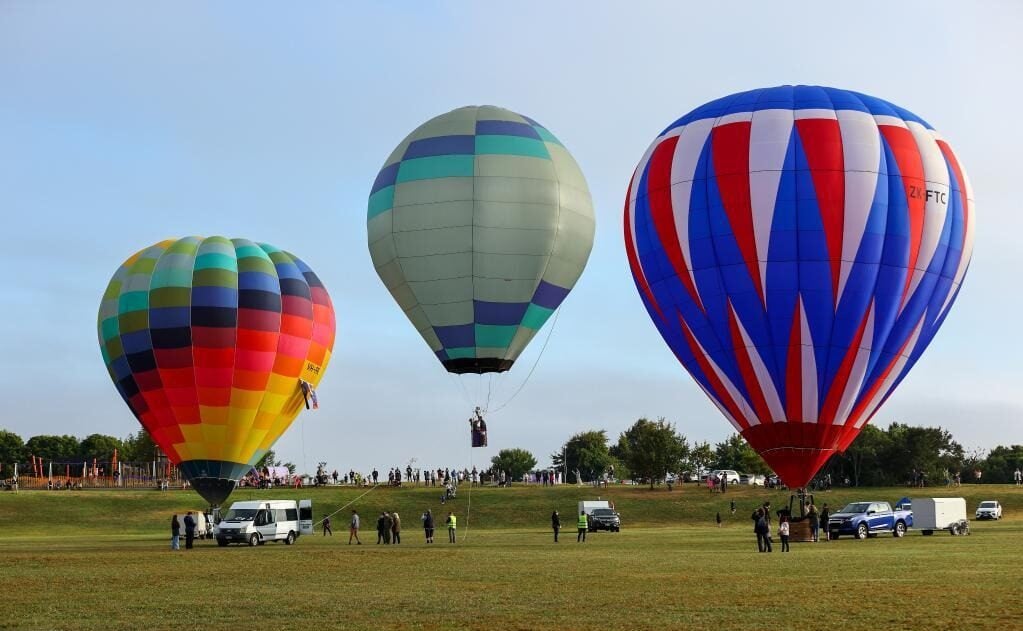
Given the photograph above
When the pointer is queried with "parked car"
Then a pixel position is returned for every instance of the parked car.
(989, 509)
(862, 519)
(604, 519)
(730, 474)
(752, 479)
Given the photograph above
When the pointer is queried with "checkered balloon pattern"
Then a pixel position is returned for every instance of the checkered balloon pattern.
(208, 341)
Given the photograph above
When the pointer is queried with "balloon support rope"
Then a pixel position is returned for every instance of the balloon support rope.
(535, 364)
(468, 502)
(371, 489)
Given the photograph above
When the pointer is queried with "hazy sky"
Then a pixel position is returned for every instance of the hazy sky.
(122, 124)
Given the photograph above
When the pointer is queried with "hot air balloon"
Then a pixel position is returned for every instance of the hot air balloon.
(798, 247)
(216, 345)
(479, 224)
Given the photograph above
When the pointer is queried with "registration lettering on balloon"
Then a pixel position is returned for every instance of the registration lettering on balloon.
(798, 247)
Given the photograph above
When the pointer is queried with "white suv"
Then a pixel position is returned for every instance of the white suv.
(730, 474)
(989, 509)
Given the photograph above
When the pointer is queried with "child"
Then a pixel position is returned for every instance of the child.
(783, 532)
(718, 519)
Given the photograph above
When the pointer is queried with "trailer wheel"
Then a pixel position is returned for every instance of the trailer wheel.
(900, 529)
(253, 539)
(862, 531)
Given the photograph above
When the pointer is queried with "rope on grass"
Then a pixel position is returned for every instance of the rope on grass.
(372, 488)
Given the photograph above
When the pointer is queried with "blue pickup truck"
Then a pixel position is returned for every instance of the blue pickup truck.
(862, 519)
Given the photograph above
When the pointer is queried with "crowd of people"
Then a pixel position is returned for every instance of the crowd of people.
(816, 520)
(388, 527)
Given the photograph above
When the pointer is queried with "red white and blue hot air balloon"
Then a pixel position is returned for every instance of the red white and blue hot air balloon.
(798, 247)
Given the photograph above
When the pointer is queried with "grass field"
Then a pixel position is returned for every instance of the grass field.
(90, 560)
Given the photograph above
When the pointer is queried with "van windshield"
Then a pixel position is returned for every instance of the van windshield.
(240, 514)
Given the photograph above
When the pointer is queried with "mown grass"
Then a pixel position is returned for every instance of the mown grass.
(100, 560)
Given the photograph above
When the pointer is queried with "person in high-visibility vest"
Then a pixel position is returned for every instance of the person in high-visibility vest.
(583, 527)
(452, 526)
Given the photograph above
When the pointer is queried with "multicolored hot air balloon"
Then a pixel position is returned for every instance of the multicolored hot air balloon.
(215, 344)
(480, 222)
(798, 247)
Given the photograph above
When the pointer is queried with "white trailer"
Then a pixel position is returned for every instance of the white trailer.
(940, 513)
(587, 506)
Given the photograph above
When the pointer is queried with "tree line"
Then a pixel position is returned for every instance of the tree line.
(650, 451)
(647, 451)
(137, 447)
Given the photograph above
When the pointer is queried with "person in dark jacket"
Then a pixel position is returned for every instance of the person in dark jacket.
(388, 524)
(428, 526)
(380, 529)
(175, 533)
(189, 530)
(326, 526)
(760, 529)
(556, 525)
(825, 518)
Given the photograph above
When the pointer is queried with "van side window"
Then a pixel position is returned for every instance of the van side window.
(280, 514)
(260, 519)
(291, 514)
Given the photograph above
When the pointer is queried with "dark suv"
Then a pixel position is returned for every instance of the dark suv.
(604, 519)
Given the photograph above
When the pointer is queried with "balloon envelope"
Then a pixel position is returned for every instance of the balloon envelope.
(797, 248)
(479, 224)
(207, 340)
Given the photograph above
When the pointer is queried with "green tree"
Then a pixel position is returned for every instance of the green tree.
(588, 452)
(269, 459)
(651, 449)
(12, 449)
(138, 447)
(100, 447)
(735, 453)
(700, 457)
(1001, 463)
(514, 462)
(866, 457)
(55, 448)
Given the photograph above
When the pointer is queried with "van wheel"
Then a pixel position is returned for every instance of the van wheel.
(290, 540)
(254, 539)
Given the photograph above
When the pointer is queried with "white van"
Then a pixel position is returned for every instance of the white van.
(256, 522)
(587, 506)
(203, 525)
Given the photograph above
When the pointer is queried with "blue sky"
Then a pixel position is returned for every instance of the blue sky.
(125, 123)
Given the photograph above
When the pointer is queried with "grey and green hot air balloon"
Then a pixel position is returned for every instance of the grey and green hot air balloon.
(480, 222)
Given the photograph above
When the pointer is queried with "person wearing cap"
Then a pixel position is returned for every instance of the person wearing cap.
(556, 524)
(583, 527)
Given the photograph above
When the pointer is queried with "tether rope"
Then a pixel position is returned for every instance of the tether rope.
(535, 363)
(373, 488)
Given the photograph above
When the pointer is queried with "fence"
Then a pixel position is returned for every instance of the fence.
(41, 474)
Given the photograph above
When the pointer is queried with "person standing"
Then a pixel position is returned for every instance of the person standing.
(388, 523)
(718, 519)
(395, 528)
(428, 526)
(452, 524)
(189, 530)
(1017, 476)
(783, 533)
(583, 526)
(326, 526)
(825, 521)
(380, 529)
(732, 506)
(815, 522)
(353, 529)
(175, 533)
(555, 524)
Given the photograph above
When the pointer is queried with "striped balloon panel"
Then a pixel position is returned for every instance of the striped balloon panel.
(479, 224)
(206, 340)
(798, 247)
